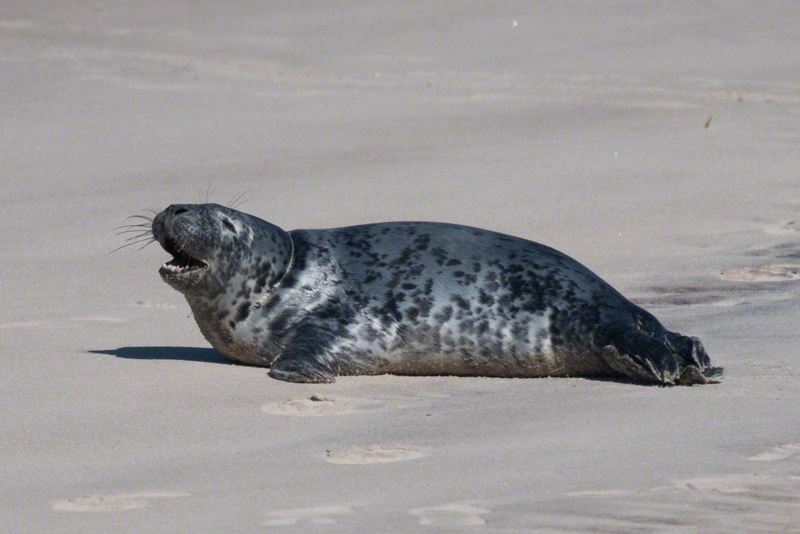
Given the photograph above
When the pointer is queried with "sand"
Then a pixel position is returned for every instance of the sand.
(658, 143)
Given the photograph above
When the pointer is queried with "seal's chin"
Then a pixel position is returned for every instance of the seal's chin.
(182, 266)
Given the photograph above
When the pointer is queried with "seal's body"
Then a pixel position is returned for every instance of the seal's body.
(410, 298)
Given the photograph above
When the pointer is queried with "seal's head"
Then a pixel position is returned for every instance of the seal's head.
(218, 251)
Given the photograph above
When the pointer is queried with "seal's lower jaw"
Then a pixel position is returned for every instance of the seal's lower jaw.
(176, 270)
(182, 268)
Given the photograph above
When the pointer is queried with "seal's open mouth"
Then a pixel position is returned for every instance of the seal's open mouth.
(182, 264)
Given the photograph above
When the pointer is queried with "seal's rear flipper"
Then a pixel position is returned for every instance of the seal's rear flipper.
(692, 375)
(693, 360)
(640, 356)
(690, 350)
(667, 358)
(713, 374)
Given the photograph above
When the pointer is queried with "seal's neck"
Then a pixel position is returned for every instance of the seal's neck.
(254, 271)
(259, 299)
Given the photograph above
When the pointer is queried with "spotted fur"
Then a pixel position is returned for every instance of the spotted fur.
(413, 298)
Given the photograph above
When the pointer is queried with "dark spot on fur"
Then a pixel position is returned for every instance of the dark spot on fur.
(483, 326)
(261, 282)
(460, 301)
(428, 286)
(416, 270)
(444, 315)
(243, 311)
(485, 298)
(439, 254)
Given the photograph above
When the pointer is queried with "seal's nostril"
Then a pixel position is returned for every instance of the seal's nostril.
(178, 211)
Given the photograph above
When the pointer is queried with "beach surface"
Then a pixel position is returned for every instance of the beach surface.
(657, 143)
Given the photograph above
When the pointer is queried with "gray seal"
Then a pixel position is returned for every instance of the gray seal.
(410, 298)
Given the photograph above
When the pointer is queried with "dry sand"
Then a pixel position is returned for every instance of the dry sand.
(656, 142)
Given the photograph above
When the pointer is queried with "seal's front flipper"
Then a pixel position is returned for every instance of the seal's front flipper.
(293, 368)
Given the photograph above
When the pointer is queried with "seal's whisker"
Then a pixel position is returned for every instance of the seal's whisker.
(181, 239)
(142, 240)
(126, 228)
(152, 240)
(130, 229)
(210, 191)
(139, 231)
(145, 217)
(240, 203)
(237, 198)
(142, 230)
(135, 237)
(144, 225)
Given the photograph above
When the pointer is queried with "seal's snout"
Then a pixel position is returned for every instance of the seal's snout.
(166, 224)
(176, 230)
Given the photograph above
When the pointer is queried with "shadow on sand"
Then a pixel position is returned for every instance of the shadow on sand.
(189, 354)
(194, 354)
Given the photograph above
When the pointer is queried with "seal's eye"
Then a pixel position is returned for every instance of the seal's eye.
(229, 224)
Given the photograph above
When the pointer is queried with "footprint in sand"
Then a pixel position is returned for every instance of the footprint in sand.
(317, 406)
(451, 515)
(375, 454)
(113, 503)
(765, 273)
(319, 515)
(782, 452)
